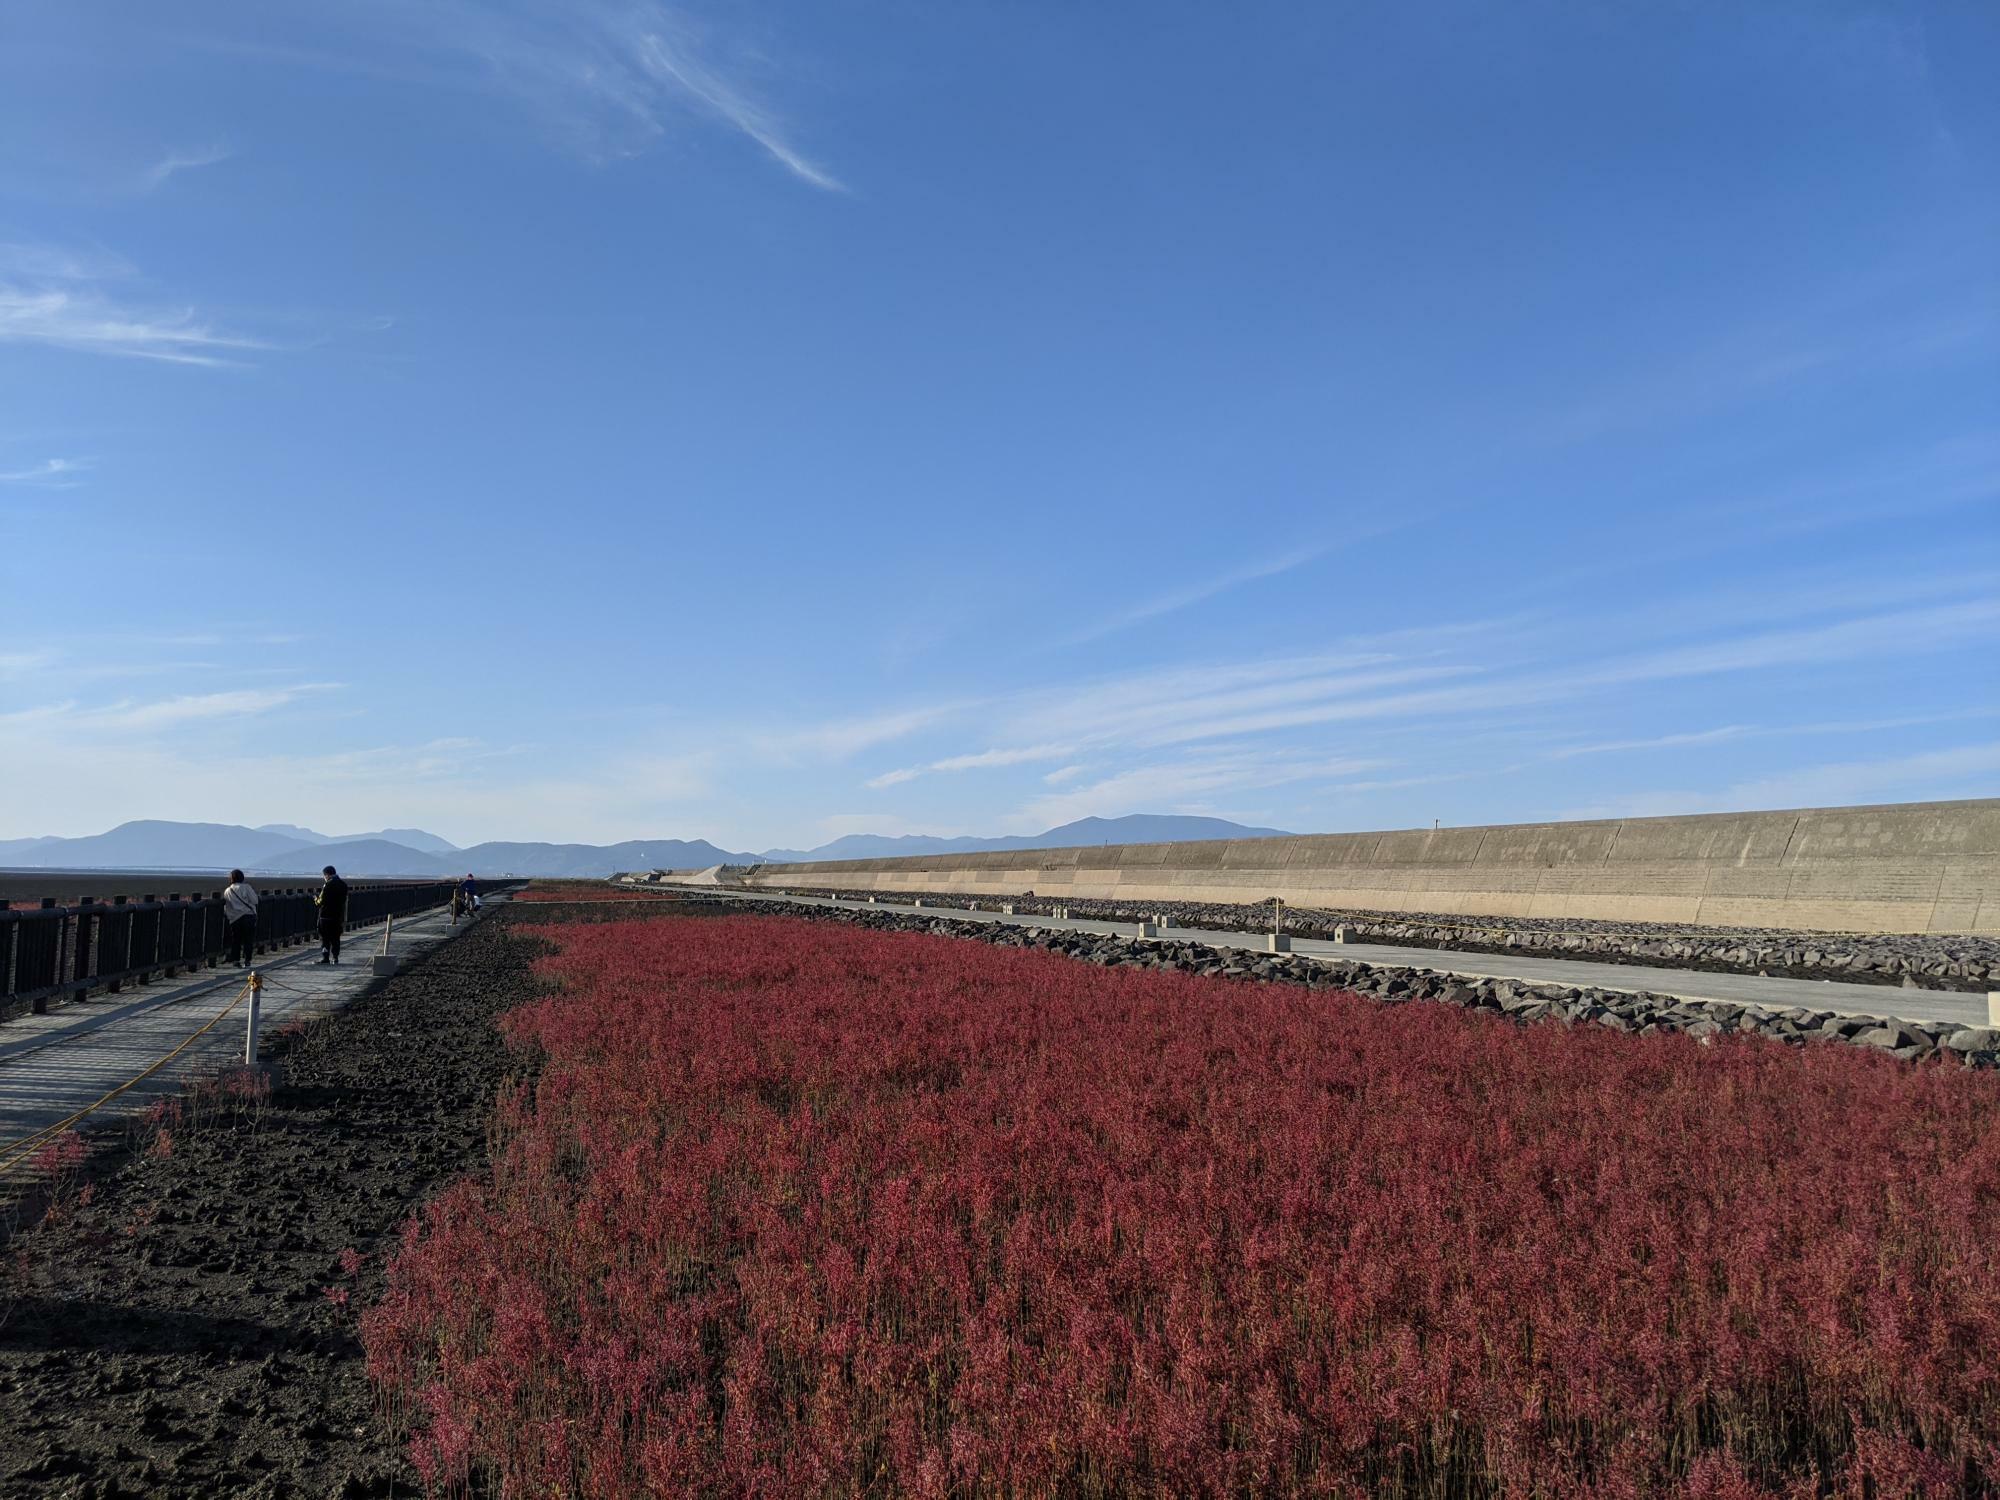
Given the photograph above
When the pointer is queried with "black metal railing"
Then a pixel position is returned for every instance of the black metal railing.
(51, 953)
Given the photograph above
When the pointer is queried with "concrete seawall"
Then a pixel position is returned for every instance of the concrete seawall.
(1906, 867)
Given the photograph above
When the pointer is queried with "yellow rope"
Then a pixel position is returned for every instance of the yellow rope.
(11, 1155)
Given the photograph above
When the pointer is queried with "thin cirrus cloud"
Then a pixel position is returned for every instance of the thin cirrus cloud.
(840, 738)
(50, 474)
(1730, 732)
(1890, 633)
(1966, 770)
(1194, 594)
(674, 64)
(610, 78)
(129, 716)
(977, 761)
(1143, 730)
(182, 161)
(1177, 783)
(63, 300)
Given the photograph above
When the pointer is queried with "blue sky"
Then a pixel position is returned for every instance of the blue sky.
(767, 422)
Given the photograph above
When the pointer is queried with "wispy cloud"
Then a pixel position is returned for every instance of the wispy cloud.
(59, 299)
(976, 761)
(839, 738)
(32, 262)
(1366, 700)
(673, 62)
(1957, 771)
(90, 323)
(1171, 786)
(1889, 633)
(1731, 732)
(130, 716)
(1657, 742)
(1197, 593)
(1914, 632)
(1865, 329)
(50, 474)
(611, 78)
(183, 161)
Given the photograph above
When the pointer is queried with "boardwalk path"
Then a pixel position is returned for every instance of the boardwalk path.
(53, 1065)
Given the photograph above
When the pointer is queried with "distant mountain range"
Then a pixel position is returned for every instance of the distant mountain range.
(285, 848)
(409, 838)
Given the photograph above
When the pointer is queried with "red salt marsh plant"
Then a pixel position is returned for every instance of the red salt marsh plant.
(804, 1209)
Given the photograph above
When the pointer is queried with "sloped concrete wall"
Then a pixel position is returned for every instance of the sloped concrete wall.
(1906, 867)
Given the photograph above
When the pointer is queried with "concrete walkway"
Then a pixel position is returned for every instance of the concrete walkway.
(56, 1064)
(1958, 1007)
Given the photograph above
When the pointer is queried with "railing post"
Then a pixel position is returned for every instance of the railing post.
(40, 1006)
(86, 925)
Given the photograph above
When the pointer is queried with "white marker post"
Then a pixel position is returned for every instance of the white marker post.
(255, 1017)
(1281, 942)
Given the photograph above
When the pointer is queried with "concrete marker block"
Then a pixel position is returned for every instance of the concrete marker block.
(1281, 942)
(1993, 1007)
(382, 965)
(1149, 929)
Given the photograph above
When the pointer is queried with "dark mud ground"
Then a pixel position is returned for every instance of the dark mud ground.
(170, 1331)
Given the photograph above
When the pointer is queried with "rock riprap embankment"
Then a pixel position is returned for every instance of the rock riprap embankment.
(1640, 1014)
(1939, 961)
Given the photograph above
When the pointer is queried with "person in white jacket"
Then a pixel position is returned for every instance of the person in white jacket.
(239, 914)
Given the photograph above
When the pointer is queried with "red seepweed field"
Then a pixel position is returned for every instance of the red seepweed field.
(800, 1208)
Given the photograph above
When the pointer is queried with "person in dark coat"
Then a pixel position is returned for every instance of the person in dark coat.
(331, 899)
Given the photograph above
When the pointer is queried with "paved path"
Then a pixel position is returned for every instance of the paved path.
(1681, 984)
(55, 1064)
